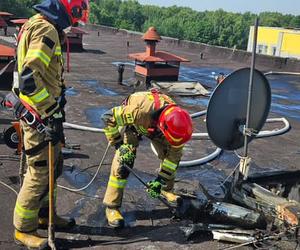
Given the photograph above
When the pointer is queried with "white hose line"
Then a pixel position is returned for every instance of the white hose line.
(101, 130)
(84, 128)
(261, 134)
(9, 187)
(198, 114)
(197, 162)
(94, 177)
(274, 132)
(201, 161)
(282, 73)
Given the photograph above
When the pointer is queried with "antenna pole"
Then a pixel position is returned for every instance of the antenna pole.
(245, 168)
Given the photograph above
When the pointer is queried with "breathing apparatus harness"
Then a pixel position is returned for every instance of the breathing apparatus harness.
(153, 131)
(24, 112)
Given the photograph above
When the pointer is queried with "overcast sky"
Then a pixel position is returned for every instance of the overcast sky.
(255, 6)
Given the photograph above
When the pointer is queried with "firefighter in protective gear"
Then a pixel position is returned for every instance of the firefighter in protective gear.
(168, 126)
(40, 69)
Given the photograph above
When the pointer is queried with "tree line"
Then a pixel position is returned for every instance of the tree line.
(218, 27)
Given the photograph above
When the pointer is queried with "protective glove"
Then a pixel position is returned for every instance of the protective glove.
(54, 129)
(154, 187)
(127, 154)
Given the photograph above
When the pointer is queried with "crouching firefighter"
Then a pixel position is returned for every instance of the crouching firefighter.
(38, 102)
(168, 126)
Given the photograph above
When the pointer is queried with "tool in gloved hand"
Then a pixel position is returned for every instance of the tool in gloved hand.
(127, 154)
(148, 187)
(54, 128)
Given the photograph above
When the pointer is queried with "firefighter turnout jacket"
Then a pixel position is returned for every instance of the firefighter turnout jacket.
(136, 114)
(40, 65)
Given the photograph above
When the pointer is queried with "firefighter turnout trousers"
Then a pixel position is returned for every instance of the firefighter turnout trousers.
(34, 193)
(118, 176)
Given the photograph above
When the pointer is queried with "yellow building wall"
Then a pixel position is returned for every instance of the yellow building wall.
(291, 44)
(267, 35)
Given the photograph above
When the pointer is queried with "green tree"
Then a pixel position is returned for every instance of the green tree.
(130, 16)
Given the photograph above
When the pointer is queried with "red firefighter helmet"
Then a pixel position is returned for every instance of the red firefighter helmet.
(78, 10)
(176, 125)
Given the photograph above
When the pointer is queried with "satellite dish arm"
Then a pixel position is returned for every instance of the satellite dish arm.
(245, 162)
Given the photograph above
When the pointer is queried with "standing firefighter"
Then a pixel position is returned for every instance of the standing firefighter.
(168, 126)
(40, 68)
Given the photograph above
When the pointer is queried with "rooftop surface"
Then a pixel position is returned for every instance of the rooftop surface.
(93, 90)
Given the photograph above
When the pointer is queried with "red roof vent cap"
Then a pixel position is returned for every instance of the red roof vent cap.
(151, 35)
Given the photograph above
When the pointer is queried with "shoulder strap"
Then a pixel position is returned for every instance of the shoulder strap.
(155, 94)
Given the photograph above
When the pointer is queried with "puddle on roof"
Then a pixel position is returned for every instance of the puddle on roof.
(94, 116)
(205, 75)
(96, 85)
(71, 91)
(285, 95)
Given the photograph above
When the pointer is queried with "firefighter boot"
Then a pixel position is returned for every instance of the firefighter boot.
(60, 223)
(114, 217)
(31, 240)
(171, 197)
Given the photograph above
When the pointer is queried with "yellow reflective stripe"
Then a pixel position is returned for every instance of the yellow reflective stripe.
(169, 111)
(170, 165)
(141, 130)
(37, 98)
(111, 131)
(40, 96)
(21, 54)
(26, 213)
(173, 138)
(118, 115)
(117, 183)
(26, 99)
(128, 117)
(57, 51)
(36, 53)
